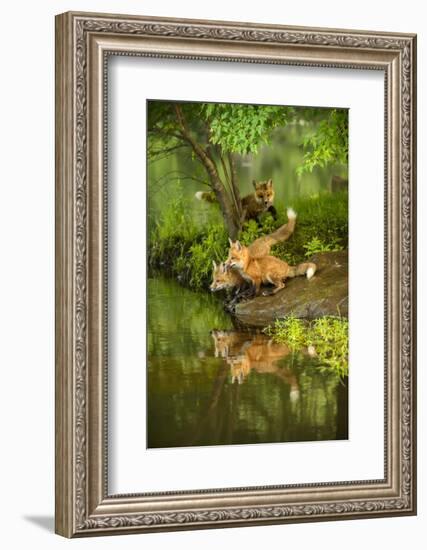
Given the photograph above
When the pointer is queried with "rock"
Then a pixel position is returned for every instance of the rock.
(325, 294)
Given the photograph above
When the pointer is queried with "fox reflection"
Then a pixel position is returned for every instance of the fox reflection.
(229, 342)
(244, 352)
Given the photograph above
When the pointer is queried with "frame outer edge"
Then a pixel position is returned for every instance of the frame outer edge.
(413, 253)
(64, 238)
(73, 399)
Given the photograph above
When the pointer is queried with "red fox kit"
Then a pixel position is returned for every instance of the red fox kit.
(254, 204)
(267, 269)
(225, 278)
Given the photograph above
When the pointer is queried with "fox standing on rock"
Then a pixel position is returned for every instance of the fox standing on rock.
(225, 278)
(266, 269)
(254, 204)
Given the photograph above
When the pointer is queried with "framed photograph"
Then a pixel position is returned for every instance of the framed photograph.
(235, 274)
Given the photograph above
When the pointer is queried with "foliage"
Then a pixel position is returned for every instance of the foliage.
(202, 253)
(252, 230)
(328, 143)
(326, 338)
(329, 337)
(316, 245)
(239, 128)
(180, 247)
(242, 128)
(213, 133)
(291, 331)
(322, 225)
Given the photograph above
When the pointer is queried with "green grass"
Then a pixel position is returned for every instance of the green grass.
(322, 226)
(325, 338)
(183, 248)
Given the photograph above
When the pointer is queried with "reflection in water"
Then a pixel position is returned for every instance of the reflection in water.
(217, 387)
(244, 351)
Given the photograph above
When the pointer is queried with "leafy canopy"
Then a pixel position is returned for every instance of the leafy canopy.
(327, 143)
(242, 129)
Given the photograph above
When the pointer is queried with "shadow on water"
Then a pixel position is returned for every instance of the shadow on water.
(210, 384)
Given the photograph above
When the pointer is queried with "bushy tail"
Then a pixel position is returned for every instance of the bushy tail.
(307, 268)
(261, 247)
(285, 231)
(208, 196)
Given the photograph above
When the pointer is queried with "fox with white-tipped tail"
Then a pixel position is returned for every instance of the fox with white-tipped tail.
(225, 278)
(264, 270)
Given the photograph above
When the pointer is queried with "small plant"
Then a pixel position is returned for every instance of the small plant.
(316, 245)
(325, 338)
(291, 331)
(329, 338)
(201, 254)
(253, 230)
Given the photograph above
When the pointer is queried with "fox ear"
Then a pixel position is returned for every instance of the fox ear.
(223, 268)
(214, 264)
(230, 241)
(270, 183)
(254, 183)
(238, 245)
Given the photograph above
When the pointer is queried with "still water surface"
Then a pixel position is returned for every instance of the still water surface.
(211, 384)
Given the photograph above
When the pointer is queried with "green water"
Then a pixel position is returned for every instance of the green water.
(211, 384)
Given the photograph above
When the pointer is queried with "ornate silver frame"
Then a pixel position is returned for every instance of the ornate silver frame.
(83, 42)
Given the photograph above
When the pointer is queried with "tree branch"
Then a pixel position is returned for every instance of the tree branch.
(234, 187)
(155, 154)
(200, 152)
(176, 175)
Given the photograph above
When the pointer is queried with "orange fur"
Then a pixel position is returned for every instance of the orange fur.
(254, 204)
(244, 352)
(258, 202)
(224, 278)
(264, 270)
(262, 246)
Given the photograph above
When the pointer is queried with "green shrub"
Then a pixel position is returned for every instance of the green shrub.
(316, 245)
(326, 338)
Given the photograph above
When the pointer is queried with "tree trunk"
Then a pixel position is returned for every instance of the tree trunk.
(234, 186)
(232, 221)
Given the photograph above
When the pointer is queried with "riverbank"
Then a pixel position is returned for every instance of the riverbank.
(184, 250)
